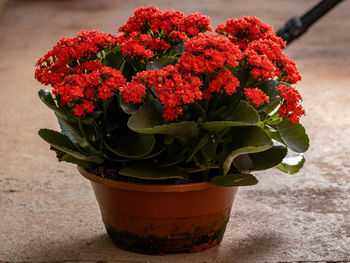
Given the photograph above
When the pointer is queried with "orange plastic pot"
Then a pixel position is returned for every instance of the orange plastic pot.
(160, 219)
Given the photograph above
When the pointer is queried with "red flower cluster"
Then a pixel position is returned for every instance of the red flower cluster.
(211, 54)
(257, 96)
(223, 81)
(208, 53)
(247, 29)
(268, 61)
(150, 31)
(57, 63)
(77, 79)
(90, 82)
(172, 88)
(261, 48)
(291, 107)
(207, 65)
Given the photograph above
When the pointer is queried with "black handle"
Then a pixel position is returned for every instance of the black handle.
(296, 26)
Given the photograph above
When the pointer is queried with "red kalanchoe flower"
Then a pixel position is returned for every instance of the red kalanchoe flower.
(207, 53)
(195, 24)
(288, 69)
(133, 47)
(92, 82)
(133, 91)
(257, 96)
(224, 81)
(175, 89)
(291, 107)
(58, 62)
(247, 29)
(172, 88)
(210, 54)
(150, 31)
(267, 61)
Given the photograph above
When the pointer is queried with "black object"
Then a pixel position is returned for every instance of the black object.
(297, 26)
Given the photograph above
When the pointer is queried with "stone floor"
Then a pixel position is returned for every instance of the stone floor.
(48, 212)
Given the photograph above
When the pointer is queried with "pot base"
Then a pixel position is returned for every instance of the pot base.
(186, 242)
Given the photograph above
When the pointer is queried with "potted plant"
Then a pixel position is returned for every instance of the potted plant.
(167, 120)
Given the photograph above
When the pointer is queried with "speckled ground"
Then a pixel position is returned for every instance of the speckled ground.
(47, 210)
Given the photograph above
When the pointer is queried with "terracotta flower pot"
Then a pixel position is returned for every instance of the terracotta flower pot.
(158, 219)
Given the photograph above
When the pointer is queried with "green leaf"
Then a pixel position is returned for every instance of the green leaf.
(114, 59)
(269, 158)
(243, 163)
(157, 150)
(269, 88)
(161, 63)
(148, 171)
(168, 139)
(209, 150)
(234, 180)
(128, 108)
(47, 98)
(247, 140)
(173, 159)
(66, 132)
(243, 115)
(274, 134)
(292, 164)
(62, 143)
(203, 141)
(133, 145)
(65, 117)
(148, 120)
(293, 135)
(177, 50)
(70, 159)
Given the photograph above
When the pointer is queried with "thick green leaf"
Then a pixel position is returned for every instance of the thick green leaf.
(269, 88)
(161, 63)
(209, 150)
(47, 98)
(214, 115)
(269, 158)
(65, 118)
(128, 108)
(243, 115)
(150, 171)
(177, 50)
(168, 139)
(70, 159)
(148, 120)
(292, 164)
(133, 145)
(203, 141)
(157, 150)
(274, 134)
(56, 138)
(234, 180)
(114, 59)
(66, 132)
(247, 140)
(62, 143)
(174, 159)
(243, 163)
(72, 127)
(293, 135)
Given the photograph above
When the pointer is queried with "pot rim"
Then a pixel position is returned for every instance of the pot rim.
(146, 187)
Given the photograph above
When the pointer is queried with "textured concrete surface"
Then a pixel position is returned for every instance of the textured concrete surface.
(47, 210)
